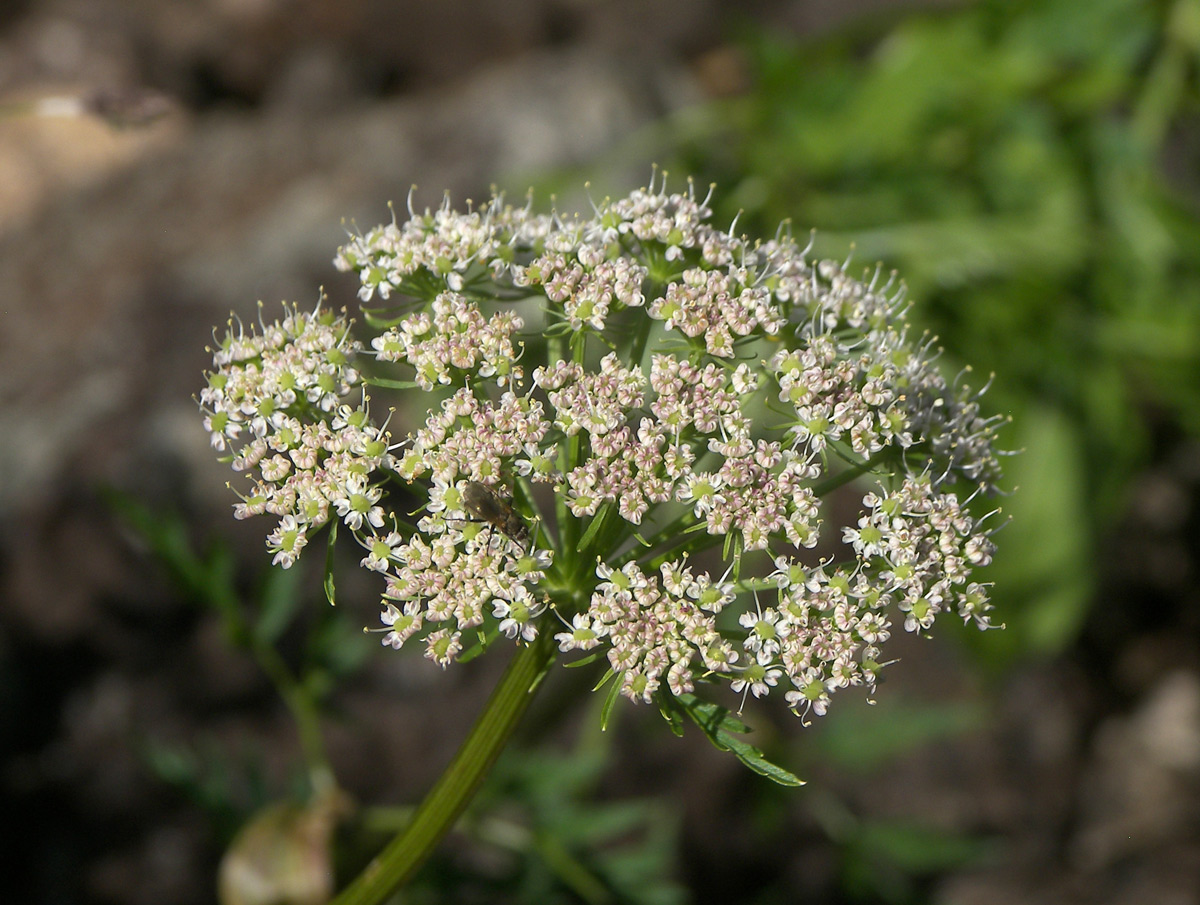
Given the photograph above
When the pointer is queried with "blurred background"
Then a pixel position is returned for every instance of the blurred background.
(1032, 169)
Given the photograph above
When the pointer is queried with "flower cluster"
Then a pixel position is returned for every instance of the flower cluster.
(277, 400)
(697, 398)
(453, 339)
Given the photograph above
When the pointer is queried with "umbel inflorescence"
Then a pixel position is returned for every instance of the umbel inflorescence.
(629, 428)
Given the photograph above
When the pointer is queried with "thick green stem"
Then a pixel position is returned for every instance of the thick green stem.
(457, 786)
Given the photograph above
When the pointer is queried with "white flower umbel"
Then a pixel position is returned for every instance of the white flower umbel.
(609, 396)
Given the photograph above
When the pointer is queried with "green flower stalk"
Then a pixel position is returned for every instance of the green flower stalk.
(633, 424)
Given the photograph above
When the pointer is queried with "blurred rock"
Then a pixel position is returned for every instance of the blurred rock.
(1141, 788)
(220, 213)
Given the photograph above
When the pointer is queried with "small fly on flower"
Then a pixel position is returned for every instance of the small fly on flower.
(483, 504)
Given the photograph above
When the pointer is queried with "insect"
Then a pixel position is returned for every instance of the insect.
(483, 504)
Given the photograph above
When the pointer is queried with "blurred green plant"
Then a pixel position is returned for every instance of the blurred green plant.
(1022, 163)
(332, 650)
(225, 786)
(277, 842)
(540, 833)
(888, 858)
(539, 814)
(553, 837)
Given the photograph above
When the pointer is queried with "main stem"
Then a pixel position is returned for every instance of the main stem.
(435, 816)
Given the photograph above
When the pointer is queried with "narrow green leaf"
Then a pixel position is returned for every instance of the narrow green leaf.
(485, 639)
(727, 546)
(390, 384)
(671, 714)
(604, 679)
(372, 317)
(606, 711)
(723, 729)
(594, 527)
(329, 595)
(590, 658)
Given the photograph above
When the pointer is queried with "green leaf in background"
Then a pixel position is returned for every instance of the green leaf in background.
(1044, 567)
(206, 578)
(1024, 165)
(881, 859)
(225, 785)
(279, 600)
(866, 738)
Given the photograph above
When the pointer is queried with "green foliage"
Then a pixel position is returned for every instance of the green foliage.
(329, 548)
(205, 577)
(255, 621)
(225, 786)
(866, 739)
(261, 623)
(883, 858)
(1010, 160)
(542, 833)
(1047, 562)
